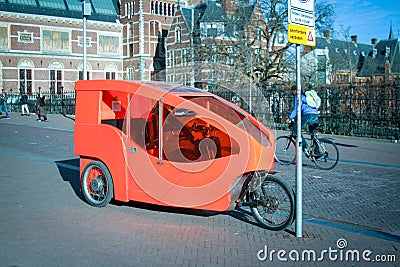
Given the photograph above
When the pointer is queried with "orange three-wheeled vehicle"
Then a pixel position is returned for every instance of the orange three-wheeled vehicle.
(178, 146)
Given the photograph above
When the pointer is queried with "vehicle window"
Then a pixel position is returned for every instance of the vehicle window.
(190, 138)
(234, 116)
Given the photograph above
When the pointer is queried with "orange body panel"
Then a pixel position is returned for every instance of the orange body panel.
(173, 164)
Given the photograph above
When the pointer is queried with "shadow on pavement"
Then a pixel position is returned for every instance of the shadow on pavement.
(69, 170)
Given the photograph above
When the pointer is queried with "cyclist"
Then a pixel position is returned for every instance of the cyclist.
(309, 116)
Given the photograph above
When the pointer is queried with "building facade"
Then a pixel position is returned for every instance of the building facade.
(41, 45)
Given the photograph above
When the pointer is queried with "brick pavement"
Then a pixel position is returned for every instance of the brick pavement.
(45, 222)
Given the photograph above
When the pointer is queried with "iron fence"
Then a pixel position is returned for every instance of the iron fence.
(366, 110)
(62, 103)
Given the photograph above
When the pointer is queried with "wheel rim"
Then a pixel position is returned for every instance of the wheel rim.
(330, 156)
(96, 184)
(285, 150)
(275, 207)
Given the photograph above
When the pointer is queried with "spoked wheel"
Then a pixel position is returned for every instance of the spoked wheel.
(328, 157)
(285, 150)
(275, 206)
(97, 185)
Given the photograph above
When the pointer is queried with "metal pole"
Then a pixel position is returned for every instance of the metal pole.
(299, 162)
(86, 9)
(84, 49)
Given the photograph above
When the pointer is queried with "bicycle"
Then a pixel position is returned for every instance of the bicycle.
(323, 152)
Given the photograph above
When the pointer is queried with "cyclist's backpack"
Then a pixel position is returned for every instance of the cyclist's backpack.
(312, 99)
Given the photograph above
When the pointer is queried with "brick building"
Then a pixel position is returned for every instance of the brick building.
(41, 41)
(41, 44)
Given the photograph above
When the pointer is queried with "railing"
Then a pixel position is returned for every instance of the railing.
(56, 103)
(367, 110)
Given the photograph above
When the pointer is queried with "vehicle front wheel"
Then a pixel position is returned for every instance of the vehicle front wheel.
(97, 185)
(275, 206)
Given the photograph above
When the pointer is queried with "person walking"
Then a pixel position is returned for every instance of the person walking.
(309, 115)
(42, 109)
(3, 104)
(24, 105)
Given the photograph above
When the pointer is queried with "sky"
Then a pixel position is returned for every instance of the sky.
(367, 18)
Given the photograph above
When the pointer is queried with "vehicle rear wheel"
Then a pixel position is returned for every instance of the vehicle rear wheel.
(97, 185)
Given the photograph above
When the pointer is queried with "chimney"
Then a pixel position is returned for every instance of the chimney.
(387, 71)
(327, 35)
(373, 41)
(354, 39)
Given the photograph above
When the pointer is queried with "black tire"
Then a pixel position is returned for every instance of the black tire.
(328, 158)
(97, 184)
(275, 208)
(285, 150)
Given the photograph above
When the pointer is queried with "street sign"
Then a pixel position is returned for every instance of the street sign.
(301, 17)
(301, 35)
(306, 5)
(301, 21)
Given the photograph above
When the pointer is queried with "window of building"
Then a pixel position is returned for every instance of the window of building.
(25, 81)
(131, 50)
(156, 7)
(110, 75)
(55, 81)
(178, 34)
(81, 75)
(154, 28)
(161, 8)
(258, 34)
(184, 57)
(129, 9)
(131, 31)
(131, 74)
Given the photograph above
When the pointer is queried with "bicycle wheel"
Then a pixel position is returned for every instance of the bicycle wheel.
(285, 150)
(275, 206)
(328, 156)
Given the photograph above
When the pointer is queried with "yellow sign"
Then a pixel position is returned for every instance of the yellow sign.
(301, 35)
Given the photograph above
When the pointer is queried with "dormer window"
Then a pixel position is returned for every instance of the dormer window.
(387, 52)
(374, 52)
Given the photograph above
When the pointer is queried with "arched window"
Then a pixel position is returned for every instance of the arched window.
(26, 67)
(178, 35)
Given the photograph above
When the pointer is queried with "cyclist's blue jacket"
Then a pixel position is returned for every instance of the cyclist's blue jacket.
(305, 108)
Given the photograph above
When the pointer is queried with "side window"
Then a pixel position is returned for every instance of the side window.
(183, 137)
(144, 122)
(187, 137)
